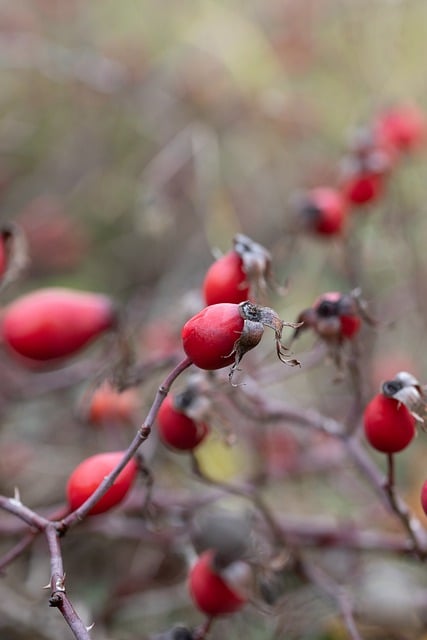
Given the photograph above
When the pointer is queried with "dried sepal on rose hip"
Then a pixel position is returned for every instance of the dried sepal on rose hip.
(242, 273)
(221, 334)
(362, 180)
(391, 416)
(183, 417)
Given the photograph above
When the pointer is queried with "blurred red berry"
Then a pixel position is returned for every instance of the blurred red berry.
(210, 592)
(109, 406)
(53, 322)
(322, 210)
(363, 188)
(403, 126)
(178, 430)
(89, 474)
(333, 315)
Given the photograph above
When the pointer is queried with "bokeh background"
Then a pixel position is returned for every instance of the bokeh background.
(136, 138)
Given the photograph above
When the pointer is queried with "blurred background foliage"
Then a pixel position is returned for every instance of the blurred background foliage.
(136, 138)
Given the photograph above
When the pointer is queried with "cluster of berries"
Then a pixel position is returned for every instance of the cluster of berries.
(374, 152)
(52, 324)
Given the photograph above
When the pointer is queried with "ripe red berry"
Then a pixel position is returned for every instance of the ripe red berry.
(54, 323)
(178, 430)
(89, 474)
(238, 274)
(389, 425)
(322, 210)
(402, 126)
(363, 187)
(225, 280)
(221, 334)
(210, 336)
(210, 592)
(109, 406)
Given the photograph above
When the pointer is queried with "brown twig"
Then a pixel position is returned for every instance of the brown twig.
(142, 434)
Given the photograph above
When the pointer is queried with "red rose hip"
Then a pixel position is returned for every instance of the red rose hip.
(209, 590)
(89, 474)
(109, 406)
(54, 323)
(209, 337)
(225, 280)
(239, 274)
(323, 210)
(389, 426)
(178, 430)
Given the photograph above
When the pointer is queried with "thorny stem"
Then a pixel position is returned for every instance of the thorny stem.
(254, 403)
(58, 597)
(15, 506)
(140, 437)
(53, 529)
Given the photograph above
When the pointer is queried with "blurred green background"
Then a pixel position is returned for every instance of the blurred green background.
(137, 137)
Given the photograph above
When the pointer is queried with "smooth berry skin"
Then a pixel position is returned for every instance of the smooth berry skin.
(89, 474)
(225, 280)
(363, 188)
(388, 424)
(54, 323)
(209, 591)
(403, 127)
(350, 325)
(331, 209)
(178, 431)
(208, 337)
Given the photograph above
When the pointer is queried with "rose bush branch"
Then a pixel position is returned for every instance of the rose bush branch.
(142, 434)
